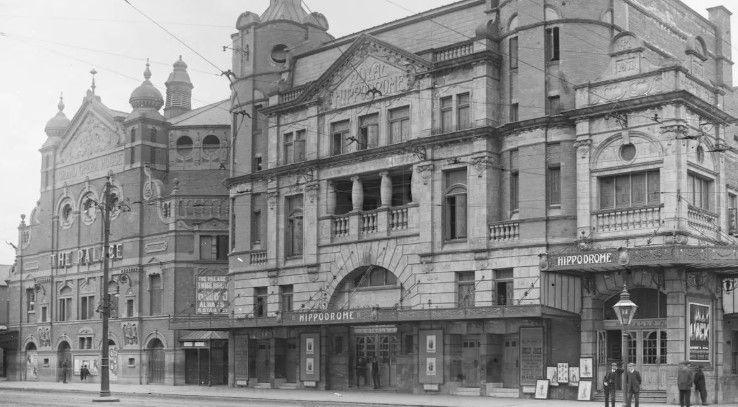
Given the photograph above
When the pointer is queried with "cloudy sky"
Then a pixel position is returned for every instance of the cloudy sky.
(48, 47)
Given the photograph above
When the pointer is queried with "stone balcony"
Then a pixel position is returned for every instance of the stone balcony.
(627, 219)
(366, 225)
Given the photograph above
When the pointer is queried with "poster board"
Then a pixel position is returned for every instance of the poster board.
(552, 375)
(585, 390)
(532, 364)
(431, 357)
(573, 376)
(562, 373)
(586, 369)
(310, 357)
(541, 389)
(699, 332)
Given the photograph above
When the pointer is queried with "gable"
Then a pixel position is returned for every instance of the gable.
(91, 137)
(368, 70)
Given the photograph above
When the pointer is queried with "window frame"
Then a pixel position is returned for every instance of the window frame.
(402, 120)
(446, 116)
(86, 307)
(155, 307)
(286, 298)
(364, 139)
(340, 129)
(261, 302)
(705, 192)
(553, 44)
(513, 52)
(466, 285)
(652, 196)
(294, 235)
(455, 228)
(463, 111)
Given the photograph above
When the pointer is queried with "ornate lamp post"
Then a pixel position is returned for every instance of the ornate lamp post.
(625, 310)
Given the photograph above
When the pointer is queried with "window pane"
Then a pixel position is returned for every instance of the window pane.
(654, 187)
(460, 216)
(554, 186)
(514, 191)
(622, 191)
(638, 186)
(607, 192)
(513, 52)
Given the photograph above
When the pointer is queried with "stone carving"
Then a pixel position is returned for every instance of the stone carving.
(481, 164)
(44, 336)
(153, 247)
(425, 171)
(311, 190)
(130, 333)
(91, 138)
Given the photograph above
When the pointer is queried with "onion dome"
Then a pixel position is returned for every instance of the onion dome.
(179, 73)
(146, 96)
(59, 123)
(284, 10)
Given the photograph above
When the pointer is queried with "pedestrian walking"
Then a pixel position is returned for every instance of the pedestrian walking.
(632, 385)
(84, 373)
(684, 382)
(375, 372)
(699, 385)
(610, 383)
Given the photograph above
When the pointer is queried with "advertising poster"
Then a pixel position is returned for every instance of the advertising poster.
(212, 294)
(310, 357)
(430, 358)
(430, 344)
(573, 376)
(31, 365)
(552, 374)
(430, 366)
(541, 389)
(532, 365)
(699, 327)
(562, 372)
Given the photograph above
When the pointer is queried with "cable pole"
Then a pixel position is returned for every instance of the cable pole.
(105, 298)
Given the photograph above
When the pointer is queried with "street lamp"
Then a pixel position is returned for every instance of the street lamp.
(625, 310)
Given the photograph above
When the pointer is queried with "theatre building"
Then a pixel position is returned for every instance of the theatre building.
(167, 235)
(453, 201)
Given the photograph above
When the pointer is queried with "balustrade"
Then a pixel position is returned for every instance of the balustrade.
(612, 220)
(454, 52)
(340, 226)
(701, 219)
(398, 218)
(259, 257)
(504, 231)
(368, 222)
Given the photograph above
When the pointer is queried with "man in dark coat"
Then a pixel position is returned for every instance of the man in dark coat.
(684, 382)
(699, 385)
(632, 385)
(610, 383)
(375, 372)
(64, 370)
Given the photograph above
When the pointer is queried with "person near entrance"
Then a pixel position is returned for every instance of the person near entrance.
(684, 382)
(699, 385)
(632, 385)
(610, 383)
(64, 371)
(83, 373)
(361, 368)
(375, 372)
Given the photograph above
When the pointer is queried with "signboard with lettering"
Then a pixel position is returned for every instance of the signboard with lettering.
(532, 363)
(699, 332)
(370, 74)
(584, 260)
(212, 294)
(329, 317)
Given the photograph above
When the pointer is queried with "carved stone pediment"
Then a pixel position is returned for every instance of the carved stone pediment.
(93, 136)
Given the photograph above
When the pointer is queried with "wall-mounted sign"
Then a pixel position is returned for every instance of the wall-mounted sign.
(86, 256)
(571, 261)
(699, 332)
(531, 355)
(431, 357)
(212, 294)
(310, 357)
(328, 317)
(375, 329)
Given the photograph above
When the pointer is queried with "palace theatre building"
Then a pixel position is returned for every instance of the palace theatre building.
(436, 204)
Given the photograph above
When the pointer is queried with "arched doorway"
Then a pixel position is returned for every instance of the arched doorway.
(155, 365)
(31, 362)
(646, 341)
(64, 361)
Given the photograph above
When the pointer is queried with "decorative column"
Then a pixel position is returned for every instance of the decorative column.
(330, 202)
(385, 189)
(357, 194)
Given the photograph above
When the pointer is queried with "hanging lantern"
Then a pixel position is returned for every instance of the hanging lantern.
(625, 309)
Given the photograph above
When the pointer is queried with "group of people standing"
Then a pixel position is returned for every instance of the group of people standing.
(366, 368)
(686, 378)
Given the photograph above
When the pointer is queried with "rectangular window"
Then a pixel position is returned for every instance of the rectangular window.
(338, 345)
(732, 218)
(554, 105)
(408, 344)
(514, 179)
(339, 134)
(553, 174)
(513, 53)
(258, 226)
(64, 311)
(465, 289)
(129, 308)
(455, 204)
(399, 124)
(463, 110)
(257, 163)
(552, 44)
(85, 342)
(699, 192)
(293, 226)
(288, 149)
(368, 132)
(30, 303)
(626, 190)
(155, 290)
(214, 247)
(232, 228)
(503, 287)
(447, 112)
(260, 302)
(514, 112)
(285, 298)
(300, 146)
(87, 307)
(44, 313)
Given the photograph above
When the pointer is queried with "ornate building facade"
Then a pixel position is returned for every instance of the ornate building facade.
(168, 234)
(462, 194)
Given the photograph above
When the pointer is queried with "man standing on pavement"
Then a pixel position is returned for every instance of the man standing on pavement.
(64, 371)
(375, 372)
(699, 385)
(684, 382)
(632, 385)
(610, 383)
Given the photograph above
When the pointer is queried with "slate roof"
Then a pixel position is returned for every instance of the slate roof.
(214, 114)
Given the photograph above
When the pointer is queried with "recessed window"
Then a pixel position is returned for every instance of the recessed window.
(88, 209)
(627, 152)
(210, 143)
(184, 145)
(279, 53)
(66, 214)
(627, 190)
(700, 154)
(131, 362)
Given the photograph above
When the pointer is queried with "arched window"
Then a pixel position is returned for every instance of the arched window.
(66, 211)
(184, 145)
(210, 143)
(373, 276)
(551, 14)
(454, 205)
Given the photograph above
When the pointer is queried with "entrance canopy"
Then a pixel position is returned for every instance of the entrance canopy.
(723, 260)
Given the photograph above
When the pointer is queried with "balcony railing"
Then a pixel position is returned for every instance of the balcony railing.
(504, 231)
(259, 257)
(612, 220)
(454, 51)
(701, 219)
(340, 226)
(368, 222)
(398, 218)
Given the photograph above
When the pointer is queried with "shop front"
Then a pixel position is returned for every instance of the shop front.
(206, 357)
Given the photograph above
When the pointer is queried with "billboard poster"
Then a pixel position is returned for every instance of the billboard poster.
(431, 357)
(212, 294)
(699, 327)
(310, 357)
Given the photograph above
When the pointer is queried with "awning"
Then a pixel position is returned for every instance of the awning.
(203, 336)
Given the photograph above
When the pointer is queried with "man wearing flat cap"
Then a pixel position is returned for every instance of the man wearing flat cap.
(610, 383)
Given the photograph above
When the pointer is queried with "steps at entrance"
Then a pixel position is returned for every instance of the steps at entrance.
(647, 396)
(466, 391)
(501, 392)
(288, 386)
(262, 385)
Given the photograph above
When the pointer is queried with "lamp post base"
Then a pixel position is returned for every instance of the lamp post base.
(105, 399)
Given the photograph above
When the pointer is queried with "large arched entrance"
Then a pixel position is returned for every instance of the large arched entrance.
(646, 341)
(155, 366)
(64, 361)
(31, 362)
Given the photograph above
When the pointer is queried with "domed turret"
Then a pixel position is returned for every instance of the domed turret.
(58, 124)
(284, 10)
(146, 96)
(179, 90)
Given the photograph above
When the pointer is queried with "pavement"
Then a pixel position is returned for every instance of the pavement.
(291, 397)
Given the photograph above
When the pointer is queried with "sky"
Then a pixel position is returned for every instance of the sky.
(49, 47)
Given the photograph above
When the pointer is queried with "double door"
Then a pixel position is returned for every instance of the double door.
(646, 348)
(383, 347)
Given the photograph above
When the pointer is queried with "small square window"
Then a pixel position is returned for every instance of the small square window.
(131, 362)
